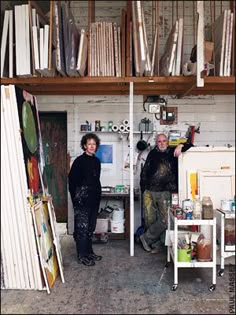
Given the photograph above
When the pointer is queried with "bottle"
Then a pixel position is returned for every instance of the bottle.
(207, 208)
(197, 208)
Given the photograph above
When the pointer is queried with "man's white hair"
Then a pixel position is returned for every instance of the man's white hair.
(161, 134)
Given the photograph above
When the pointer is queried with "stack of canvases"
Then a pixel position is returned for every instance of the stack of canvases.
(30, 250)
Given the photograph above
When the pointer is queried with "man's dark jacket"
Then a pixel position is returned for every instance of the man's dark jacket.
(160, 171)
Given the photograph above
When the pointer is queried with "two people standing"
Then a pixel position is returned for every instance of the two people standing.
(159, 179)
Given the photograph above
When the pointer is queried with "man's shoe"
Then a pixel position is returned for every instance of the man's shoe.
(156, 250)
(144, 243)
(95, 257)
(86, 261)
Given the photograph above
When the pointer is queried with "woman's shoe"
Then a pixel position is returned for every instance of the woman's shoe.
(86, 261)
(95, 257)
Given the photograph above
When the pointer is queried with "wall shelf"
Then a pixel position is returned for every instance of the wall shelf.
(179, 85)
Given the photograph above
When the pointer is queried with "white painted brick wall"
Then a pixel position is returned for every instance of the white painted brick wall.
(216, 115)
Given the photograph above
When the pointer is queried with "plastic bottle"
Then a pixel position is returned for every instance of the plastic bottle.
(207, 208)
(197, 208)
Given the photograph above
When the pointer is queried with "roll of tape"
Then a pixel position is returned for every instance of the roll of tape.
(125, 122)
(127, 128)
(122, 128)
(115, 128)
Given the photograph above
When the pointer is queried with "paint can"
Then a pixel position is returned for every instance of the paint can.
(97, 125)
(226, 205)
(110, 124)
(187, 205)
(174, 199)
(179, 213)
(117, 226)
(188, 209)
(118, 214)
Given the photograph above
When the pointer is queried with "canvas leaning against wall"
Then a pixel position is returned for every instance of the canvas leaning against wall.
(31, 141)
(107, 155)
(30, 254)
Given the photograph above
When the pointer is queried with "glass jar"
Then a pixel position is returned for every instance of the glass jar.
(229, 232)
(204, 250)
(207, 208)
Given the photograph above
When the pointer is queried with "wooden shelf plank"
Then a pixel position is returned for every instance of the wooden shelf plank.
(179, 85)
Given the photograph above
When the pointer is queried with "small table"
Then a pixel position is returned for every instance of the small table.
(125, 197)
(225, 250)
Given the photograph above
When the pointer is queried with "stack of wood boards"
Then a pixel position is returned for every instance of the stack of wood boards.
(105, 49)
(142, 62)
(171, 60)
(7, 45)
(43, 47)
(223, 37)
(30, 249)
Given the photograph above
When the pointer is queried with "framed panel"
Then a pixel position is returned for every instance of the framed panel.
(217, 184)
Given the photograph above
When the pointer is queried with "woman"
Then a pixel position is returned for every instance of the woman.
(85, 191)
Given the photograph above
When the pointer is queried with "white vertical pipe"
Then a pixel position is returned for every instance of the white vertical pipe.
(200, 43)
(131, 154)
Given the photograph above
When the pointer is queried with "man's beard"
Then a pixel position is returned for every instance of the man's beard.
(162, 149)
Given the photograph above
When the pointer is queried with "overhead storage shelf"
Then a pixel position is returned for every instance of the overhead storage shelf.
(150, 84)
(179, 86)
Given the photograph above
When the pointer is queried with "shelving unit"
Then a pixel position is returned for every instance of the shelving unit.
(115, 133)
(172, 250)
(180, 86)
(225, 250)
(149, 85)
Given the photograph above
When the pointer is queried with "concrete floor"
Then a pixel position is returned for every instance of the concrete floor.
(120, 284)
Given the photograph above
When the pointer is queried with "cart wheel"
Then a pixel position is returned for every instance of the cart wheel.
(174, 287)
(221, 272)
(212, 287)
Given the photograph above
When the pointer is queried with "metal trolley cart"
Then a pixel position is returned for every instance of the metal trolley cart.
(172, 250)
(227, 249)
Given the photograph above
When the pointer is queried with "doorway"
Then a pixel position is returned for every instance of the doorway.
(54, 137)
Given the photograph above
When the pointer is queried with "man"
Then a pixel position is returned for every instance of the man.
(159, 179)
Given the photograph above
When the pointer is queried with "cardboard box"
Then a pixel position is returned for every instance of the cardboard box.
(208, 51)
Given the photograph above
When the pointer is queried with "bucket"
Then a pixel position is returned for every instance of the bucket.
(101, 226)
(184, 255)
(117, 226)
(118, 214)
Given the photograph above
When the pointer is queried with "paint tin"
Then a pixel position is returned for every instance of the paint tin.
(187, 205)
(174, 199)
(189, 215)
(179, 213)
(226, 205)
(110, 124)
(97, 125)
(233, 206)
